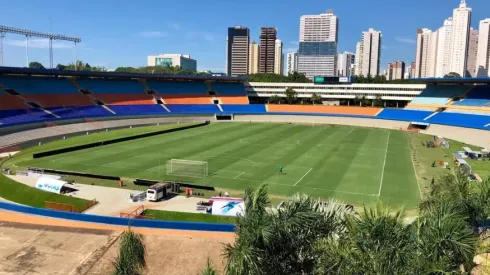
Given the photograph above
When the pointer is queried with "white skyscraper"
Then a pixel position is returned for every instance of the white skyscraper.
(292, 62)
(318, 38)
(444, 48)
(253, 58)
(368, 53)
(345, 62)
(472, 52)
(483, 53)
(278, 60)
(460, 38)
(422, 58)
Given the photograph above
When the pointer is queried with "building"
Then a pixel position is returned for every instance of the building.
(472, 52)
(483, 53)
(267, 55)
(345, 61)
(368, 53)
(237, 47)
(444, 48)
(253, 58)
(318, 39)
(422, 58)
(460, 38)
(292, 62)
(396, 70)
(410, 71)
(278, 59)
(184, 61)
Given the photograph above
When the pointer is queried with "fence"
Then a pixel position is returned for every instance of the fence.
(68, 207)
(135, 214)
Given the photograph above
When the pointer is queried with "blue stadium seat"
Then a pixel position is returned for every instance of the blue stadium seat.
(228, 88)
(100, 86)
(193, 108)
(439, 95)
(182, 88)
(138, 109)
(479, 96)
(39, 85)
(244, 109)
(461, 120)
(14, 117)
(405, 115)
(80, 112)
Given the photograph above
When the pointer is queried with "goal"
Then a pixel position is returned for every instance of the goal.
(187, 168)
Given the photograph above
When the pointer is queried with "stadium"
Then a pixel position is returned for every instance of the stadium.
(202, 135)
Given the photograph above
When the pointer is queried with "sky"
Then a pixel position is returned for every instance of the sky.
(118, 33)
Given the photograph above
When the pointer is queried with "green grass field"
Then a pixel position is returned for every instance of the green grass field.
(357, 165)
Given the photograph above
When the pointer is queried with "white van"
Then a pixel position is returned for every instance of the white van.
(157, 191)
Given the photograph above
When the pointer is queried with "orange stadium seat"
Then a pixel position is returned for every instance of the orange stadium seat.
(126, 99)
(344, 110)
(12, 102)
(234, 100)
(60, 100)
(187, 99)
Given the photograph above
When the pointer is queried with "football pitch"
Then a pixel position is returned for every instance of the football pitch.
(353, 164)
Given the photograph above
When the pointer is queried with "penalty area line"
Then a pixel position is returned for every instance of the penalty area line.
(239, 175)
(384, 165)
(303, 176)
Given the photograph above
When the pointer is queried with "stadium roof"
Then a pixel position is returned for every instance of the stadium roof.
(468, 80)
(55, 72)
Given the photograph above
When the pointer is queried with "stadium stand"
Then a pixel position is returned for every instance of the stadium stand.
(479, 96)
(228, 88)
(405, 115)
(193, 108)
(12, 117)
(439, 95)
(339, 110)
(180, 99)
(462, 120)
(12, 102)
(79, 112)
(138, 109)
(243, 109)
(38, 85)
(101, 86)
(126, 99)
(51, 100)
(177, 88)
(233, 100)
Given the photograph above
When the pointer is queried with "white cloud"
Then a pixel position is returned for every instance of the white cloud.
(39, 43)
(289, 50)
(211, 37)
(175, 26)
(405, 40)
(384, 47)
(152, 34)
(294, 42)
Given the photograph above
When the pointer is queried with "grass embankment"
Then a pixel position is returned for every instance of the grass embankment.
(23, 194)
(187, 217)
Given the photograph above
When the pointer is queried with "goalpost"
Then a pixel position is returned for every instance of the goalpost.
(187, 168)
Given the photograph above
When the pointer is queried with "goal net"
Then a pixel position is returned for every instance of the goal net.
(187, 168)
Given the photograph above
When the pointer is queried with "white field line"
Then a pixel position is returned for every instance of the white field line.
(487, 125)
(384, 165)
(239, 175)
(303, 176)
(416, 175)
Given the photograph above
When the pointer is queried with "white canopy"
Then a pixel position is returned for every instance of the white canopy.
(50, 185)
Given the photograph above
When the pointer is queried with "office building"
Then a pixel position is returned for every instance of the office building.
(345, 61)
(460, 38)
(278, 59)
(483, 53)
(292, 62)
(267, 49)
(368, 53)
(237, 47)
(396, 70)
(472, 52)
(184, 61)
(444, 48)
(422, 58)
(318, 39)
(253, 58)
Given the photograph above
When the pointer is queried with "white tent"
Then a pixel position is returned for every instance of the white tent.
(50, 185)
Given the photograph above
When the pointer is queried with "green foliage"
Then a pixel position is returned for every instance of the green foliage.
(316, 99)
(187, 217)
(131, 257)
(291, 96)
(158, 70)
(275, 100)
(294, 77)
(80, 66)
(210, 270)
(452, 75)
(378, 101)
(36, 65)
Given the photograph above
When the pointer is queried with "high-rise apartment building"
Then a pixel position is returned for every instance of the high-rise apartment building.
(460, 38)
(267, 57)
(444, 48)
(292, 62)
(483, 53)
(345, 61)
(237, 51)
(472, 52)
(253, 58)
(318, 39)
(278, 59)
(422, 58)
(368, 53)
(396, 70)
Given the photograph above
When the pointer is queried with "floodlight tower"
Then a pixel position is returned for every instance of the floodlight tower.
(2, 35)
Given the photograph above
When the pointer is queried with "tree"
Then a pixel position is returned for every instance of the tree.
(36, 65)
(357, 100)
(60, 67)
(378, 101)
(452, 75)
(291, 95)
(210, 270)
(316, 99)
(131, 257)
(275, 100)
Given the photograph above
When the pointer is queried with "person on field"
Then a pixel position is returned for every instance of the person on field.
(280, 170)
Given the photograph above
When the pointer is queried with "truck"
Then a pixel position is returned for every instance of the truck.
(157, 191)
